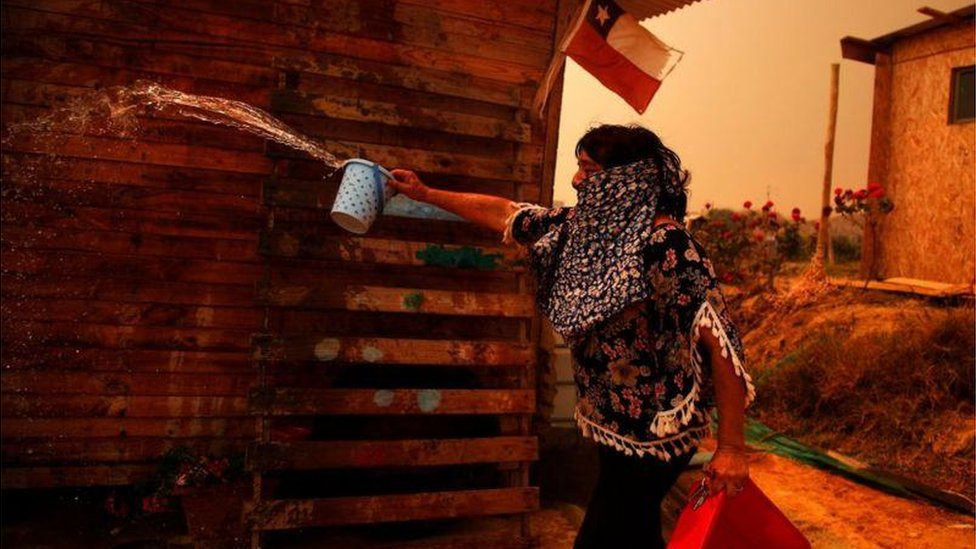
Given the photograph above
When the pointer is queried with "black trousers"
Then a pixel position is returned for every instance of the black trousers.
(625, 509)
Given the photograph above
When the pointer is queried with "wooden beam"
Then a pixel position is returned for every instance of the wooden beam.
(291, 401)
(858, 49)
(398, 300)
(402, 351)
(306, 245)
(290, 514)
(269, 456)
(940, 15)
(53, 477)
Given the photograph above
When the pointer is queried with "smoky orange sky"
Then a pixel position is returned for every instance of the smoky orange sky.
(746, 108)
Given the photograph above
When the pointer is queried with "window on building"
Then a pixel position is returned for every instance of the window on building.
(962, 99)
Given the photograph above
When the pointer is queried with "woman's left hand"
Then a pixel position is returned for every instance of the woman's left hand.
(727, 470)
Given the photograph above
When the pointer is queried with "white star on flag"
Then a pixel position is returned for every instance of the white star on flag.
(602, 15)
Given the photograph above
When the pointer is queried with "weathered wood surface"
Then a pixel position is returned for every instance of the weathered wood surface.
(171, 428)
(401, 351)
(138, 269)
(97, 475)
(107, 404)
(395, 252)
(108, 450)
(105, 384)
(78, 359)
(392, 114)
(388, 453)
(403, 300)
(289, 401)
(288, 514)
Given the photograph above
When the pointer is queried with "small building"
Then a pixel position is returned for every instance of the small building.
(922, 144)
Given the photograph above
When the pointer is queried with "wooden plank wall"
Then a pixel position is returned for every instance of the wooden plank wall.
(137, 272)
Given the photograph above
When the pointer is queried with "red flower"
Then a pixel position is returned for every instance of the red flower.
(795, 214)
(876, 192)
(768, 205)
(747, 204)
(872, 185)
(759, 236)
(772, 215)
(860, 195)
(736, 217)
(727, 235)
(708, 205)
(838, 191)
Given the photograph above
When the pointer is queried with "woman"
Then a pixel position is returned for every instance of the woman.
(636, 299)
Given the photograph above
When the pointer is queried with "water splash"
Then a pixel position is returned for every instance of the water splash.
(116, 110)
(232, 113)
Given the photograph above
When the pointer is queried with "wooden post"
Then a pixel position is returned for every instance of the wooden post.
(823, 236)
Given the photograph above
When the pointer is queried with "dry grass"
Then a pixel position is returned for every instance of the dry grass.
(901, 398)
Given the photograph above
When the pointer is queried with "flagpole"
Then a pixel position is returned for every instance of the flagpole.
(556, 64)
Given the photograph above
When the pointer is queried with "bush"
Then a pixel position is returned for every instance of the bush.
(749, 246)
(846, 249)
(892, 385)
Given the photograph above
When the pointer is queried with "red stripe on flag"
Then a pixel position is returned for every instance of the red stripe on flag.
(612, 68)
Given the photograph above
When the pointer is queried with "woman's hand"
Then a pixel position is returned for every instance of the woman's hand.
(406, 182)
(727, 470)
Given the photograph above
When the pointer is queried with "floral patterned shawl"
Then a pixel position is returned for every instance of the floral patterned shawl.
(590, 266)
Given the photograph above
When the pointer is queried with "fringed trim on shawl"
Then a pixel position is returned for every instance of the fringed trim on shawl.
(708, 318)
(670, 421)
(507, 235)
(664, 449)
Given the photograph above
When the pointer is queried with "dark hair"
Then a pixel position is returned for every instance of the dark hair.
(612, 145)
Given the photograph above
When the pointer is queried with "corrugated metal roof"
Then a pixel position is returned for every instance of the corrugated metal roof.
(859, 49)
(643, 9)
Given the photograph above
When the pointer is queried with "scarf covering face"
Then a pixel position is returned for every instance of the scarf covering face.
(591, 266)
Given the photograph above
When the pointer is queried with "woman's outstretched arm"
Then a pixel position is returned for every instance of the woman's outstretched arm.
(481, 209)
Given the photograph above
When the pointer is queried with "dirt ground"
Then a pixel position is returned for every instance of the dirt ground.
(833, 512)
(945, 457)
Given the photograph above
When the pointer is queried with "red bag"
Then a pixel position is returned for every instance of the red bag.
(747, 521)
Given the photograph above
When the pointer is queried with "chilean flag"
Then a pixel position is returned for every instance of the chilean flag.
(612, 46)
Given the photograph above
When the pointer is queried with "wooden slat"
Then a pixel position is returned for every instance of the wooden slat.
(84, 173)
(388, 453)
(33, 334)
(389, 251)
(405, 300)
(202, 296)
(909, 286)
(95, 475)
(135, 243)
(51, 406)
(130, 267)
(402, 351)
(289, 514)
(183, 156)
(119, 383)
(44, 71)
(438, 162)
(128, 427)
(394, 114)
(91, 451)
(126, 56)
(283, 401)
(144, 222)
(73, 193)
(132, 314)
(74, 359)
(412, 78)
